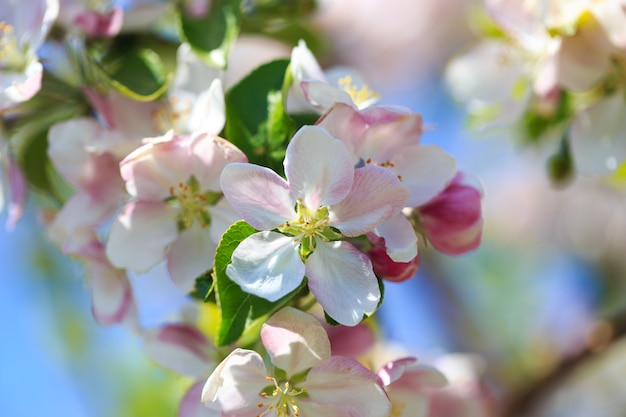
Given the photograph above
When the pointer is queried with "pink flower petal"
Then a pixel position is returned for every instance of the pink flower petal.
(267, 264)
(319, 168)
(342, 280)
(151, 170)
(426, 170)
(191, 406)
(384, 140)
(351, 341)
(376, 195)
(190, 256)
(347, 124)
(180, 347)
(111, 295)
(212, 154)
(18, 190)
(344, 382)
(96, 24)
(258, 194)
(140, 235)
(295, 340)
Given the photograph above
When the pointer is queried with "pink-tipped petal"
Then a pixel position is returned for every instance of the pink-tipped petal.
(344, 382)
(384, 140)
(376, 195)
(211, 154)
(18, 190)
(191, 406)
(295, 340)
(111, 295)
(267, 264)
(351, 341)
(190, 256)
(426, 170)
(180, 347)
(345, 123)
(319, 168)
(96, 24)
(258, 194)
(140, 235)
(342, 280)
(153, 169)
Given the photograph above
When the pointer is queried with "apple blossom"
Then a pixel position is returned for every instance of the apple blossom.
(407, 384)
(306, 379)
(318, 90)
(177, 211)
(23, 27)
(323, 200)
(389, 138)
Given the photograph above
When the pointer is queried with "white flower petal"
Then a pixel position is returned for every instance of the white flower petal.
(190, 256)
(342, 280)
(400, 238)
(319, 167)
(140, 235)
(426, 170)
(236, 383)
(267, 264)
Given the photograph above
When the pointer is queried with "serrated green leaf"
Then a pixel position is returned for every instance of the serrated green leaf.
(212, 35)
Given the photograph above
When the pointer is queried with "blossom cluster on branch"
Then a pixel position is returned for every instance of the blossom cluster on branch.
(555, 70)
(283, 200)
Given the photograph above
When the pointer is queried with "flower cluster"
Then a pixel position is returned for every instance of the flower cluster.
(287, 191)
(557, 70)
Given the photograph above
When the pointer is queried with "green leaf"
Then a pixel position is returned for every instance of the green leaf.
(204, 286)
(237, 307)
(212, 35)
(138, 74)
(255, 118)
(233, 302)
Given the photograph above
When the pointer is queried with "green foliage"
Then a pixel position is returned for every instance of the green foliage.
(537, 125)
(256, 119)
(131, 69)
(561, 165)
(212, 35)
(237, 307)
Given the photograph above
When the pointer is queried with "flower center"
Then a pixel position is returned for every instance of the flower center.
(11, 58)
(281, 400)
(191, 204)
(363, 96)
(308, 227)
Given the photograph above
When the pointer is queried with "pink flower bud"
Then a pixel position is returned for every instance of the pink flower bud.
(453, 220)
(387, 269)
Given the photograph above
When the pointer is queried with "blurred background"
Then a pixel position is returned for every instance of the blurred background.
(540, 301)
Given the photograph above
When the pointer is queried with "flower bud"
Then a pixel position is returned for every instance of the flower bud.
(386, 268)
